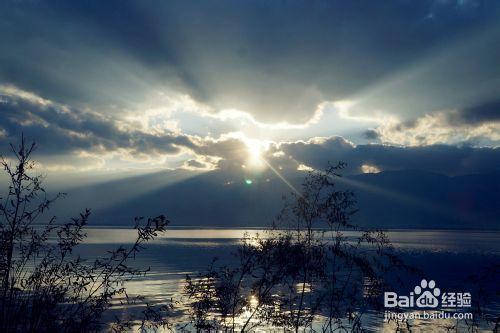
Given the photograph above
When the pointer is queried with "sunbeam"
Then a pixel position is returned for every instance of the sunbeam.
(399, 197)
(282, 177)
(111, 193)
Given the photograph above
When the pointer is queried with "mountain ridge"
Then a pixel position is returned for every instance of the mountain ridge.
(401, 199)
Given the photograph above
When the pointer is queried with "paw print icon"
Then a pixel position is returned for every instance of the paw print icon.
(428, 294)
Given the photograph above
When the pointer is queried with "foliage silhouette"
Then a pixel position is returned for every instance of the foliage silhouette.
(313, 269)
(45, 287)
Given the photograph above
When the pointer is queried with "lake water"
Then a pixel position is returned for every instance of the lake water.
(448, 257)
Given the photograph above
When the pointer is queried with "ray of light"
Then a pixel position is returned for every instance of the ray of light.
(109, 193)
(400, 197)
(422, 81)
(280, 176)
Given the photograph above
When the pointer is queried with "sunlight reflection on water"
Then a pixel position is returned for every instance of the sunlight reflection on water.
(433, 240)
(187, 251)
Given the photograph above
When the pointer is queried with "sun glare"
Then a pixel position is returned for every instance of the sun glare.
(255, 150)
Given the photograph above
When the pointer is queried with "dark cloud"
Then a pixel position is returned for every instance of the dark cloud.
(276, 60)
(478, 114)
(196, 164)
(444, 159)
(371, 134)
(487, 112)
(59, 129)
(478, 125)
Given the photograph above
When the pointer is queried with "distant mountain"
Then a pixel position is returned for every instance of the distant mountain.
(417, 199)
(391, 199)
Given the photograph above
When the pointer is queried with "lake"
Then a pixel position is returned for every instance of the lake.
(446, 256)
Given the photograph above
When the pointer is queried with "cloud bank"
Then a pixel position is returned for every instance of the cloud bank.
(275, 61)
(61, 130)
(199, 86)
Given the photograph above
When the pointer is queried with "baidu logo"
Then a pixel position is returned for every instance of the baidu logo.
(427, 295)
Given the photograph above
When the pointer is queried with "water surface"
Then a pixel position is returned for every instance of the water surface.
(446, 256)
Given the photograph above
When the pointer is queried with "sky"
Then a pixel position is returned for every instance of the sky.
(117, 87)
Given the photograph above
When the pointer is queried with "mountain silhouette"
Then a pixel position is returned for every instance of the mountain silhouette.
(391, 199)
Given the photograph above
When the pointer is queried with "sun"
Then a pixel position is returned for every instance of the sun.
(255, 149)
